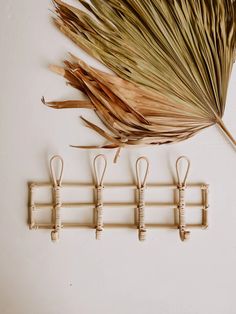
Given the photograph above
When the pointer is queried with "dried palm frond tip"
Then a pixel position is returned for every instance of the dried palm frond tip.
(171, 61)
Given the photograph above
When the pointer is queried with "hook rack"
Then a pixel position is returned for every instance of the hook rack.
(140, 204)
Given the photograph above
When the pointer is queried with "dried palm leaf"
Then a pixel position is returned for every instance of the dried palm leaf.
(171, 60)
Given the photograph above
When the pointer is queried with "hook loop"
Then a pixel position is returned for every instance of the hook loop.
(183, 183)
(142, 183)
(56, 182)
(95, 167)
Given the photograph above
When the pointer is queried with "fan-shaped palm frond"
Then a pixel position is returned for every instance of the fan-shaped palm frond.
(171, 60)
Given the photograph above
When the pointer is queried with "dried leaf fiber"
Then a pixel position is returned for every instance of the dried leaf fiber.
(171, 60)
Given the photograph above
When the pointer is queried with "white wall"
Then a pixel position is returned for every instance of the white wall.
(118, 274)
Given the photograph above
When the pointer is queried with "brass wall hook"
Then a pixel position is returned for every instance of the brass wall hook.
(56, 194)
(141, 186)
(99, 195)
(181, 186)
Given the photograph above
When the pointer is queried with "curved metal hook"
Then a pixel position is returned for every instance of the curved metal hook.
(143, 182)
(56, 182)
(183, 183)
(99, 183)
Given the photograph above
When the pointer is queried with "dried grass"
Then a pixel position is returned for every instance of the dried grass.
(171, 61)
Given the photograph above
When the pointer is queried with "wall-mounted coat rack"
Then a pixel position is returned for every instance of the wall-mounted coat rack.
(98, 206)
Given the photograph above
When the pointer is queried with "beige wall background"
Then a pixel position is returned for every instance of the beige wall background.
(117, 275)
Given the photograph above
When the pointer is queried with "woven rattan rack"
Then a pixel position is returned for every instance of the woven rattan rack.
(99, 206)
